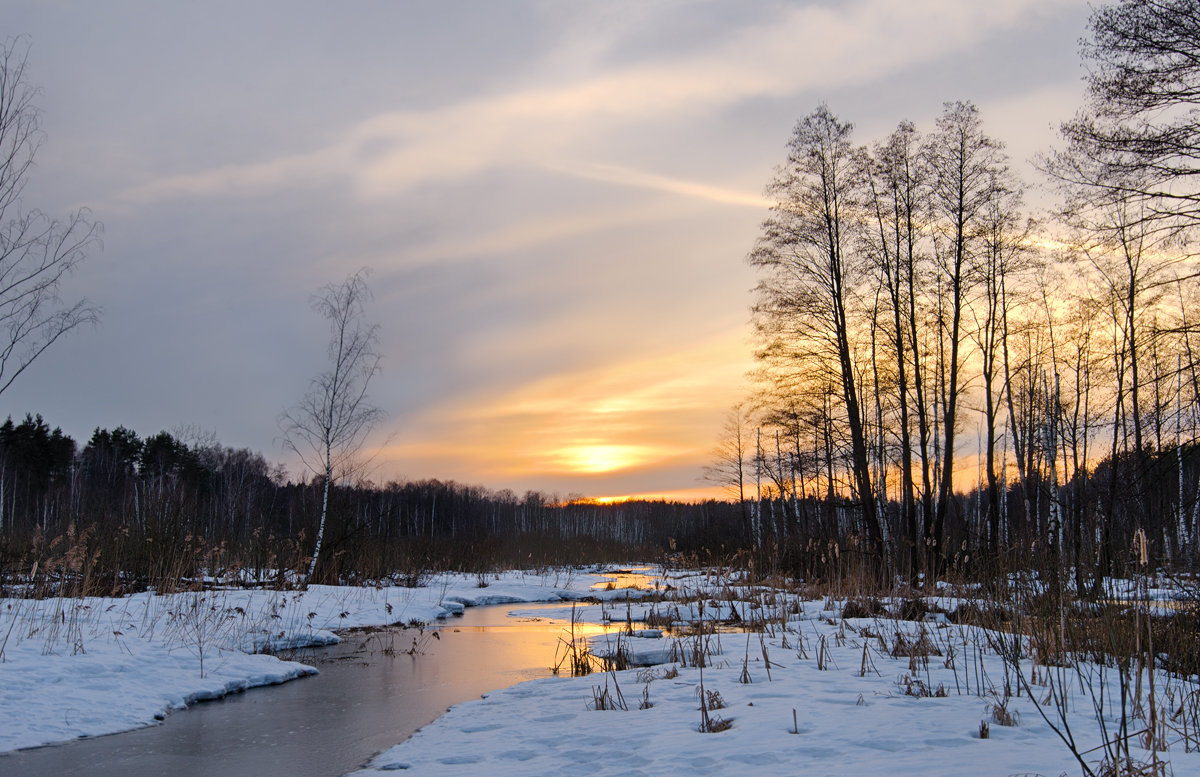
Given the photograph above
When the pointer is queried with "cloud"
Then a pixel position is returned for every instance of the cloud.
(519, 235)
(662, 183)
(555, 121)
(558, 223)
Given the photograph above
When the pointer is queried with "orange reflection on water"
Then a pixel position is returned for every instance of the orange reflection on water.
(641, 578)
(541, 640)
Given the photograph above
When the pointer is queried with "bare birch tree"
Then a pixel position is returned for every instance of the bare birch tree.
(966, 166)
(37, 252)
(328, 427)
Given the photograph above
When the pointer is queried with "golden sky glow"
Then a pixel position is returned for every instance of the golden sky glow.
(592, 458)
(624, 421)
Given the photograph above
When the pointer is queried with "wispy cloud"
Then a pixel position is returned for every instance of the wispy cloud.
(644, 180)
(519, 235)
(554, 124)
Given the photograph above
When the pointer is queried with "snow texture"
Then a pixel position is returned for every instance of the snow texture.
(84, 667)
(815, 694)
(821, 696)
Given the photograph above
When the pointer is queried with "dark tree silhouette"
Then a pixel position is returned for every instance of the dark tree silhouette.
(806, 295)
(37, 252)
(1136, 138)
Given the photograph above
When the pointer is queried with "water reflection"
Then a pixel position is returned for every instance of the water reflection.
(642, 578)
(369, 696)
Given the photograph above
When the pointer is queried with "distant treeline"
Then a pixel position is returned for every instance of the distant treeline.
(126, 510)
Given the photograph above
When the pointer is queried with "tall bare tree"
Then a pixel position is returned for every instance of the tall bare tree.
(37, 252)
(1004, 255)
(896, 199)
(1080, 422)
(807, 295)
(966, 167)
(328, 427)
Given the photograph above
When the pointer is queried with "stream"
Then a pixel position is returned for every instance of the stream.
(369, 695)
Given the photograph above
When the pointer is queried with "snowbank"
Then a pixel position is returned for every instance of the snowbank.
(84, 667)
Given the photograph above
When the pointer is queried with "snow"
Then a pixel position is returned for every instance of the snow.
(825, 696)
(818, 694)
(643, 647)
(85, 667)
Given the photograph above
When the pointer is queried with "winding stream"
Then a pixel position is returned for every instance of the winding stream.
(365, 699)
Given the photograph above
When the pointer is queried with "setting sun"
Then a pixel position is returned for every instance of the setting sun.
(602, 458)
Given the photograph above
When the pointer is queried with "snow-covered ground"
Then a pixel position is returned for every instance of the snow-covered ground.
(821, 695)
(815, 693)
(85, 667)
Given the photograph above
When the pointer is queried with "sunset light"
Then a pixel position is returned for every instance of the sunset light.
(602, 458)
(630, 425)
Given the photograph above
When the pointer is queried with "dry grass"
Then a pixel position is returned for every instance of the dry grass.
(573, 651)
(714, 725)
(1131, 767)
(863, 607)
(907, 647)
(918, 688)
(1001, 715)
(605, 699)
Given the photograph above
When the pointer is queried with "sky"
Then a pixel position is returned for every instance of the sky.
(555, 201)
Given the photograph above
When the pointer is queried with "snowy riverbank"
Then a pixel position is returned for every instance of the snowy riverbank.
(85, 667)
(812, 689)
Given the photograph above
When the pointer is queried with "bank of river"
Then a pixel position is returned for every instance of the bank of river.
(369, 695)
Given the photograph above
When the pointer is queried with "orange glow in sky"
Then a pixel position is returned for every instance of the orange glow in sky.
(700, 494)
(587, 458)
(644, 426)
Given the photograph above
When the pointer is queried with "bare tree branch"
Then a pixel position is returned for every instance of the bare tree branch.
(329, 425)
(37, 252)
